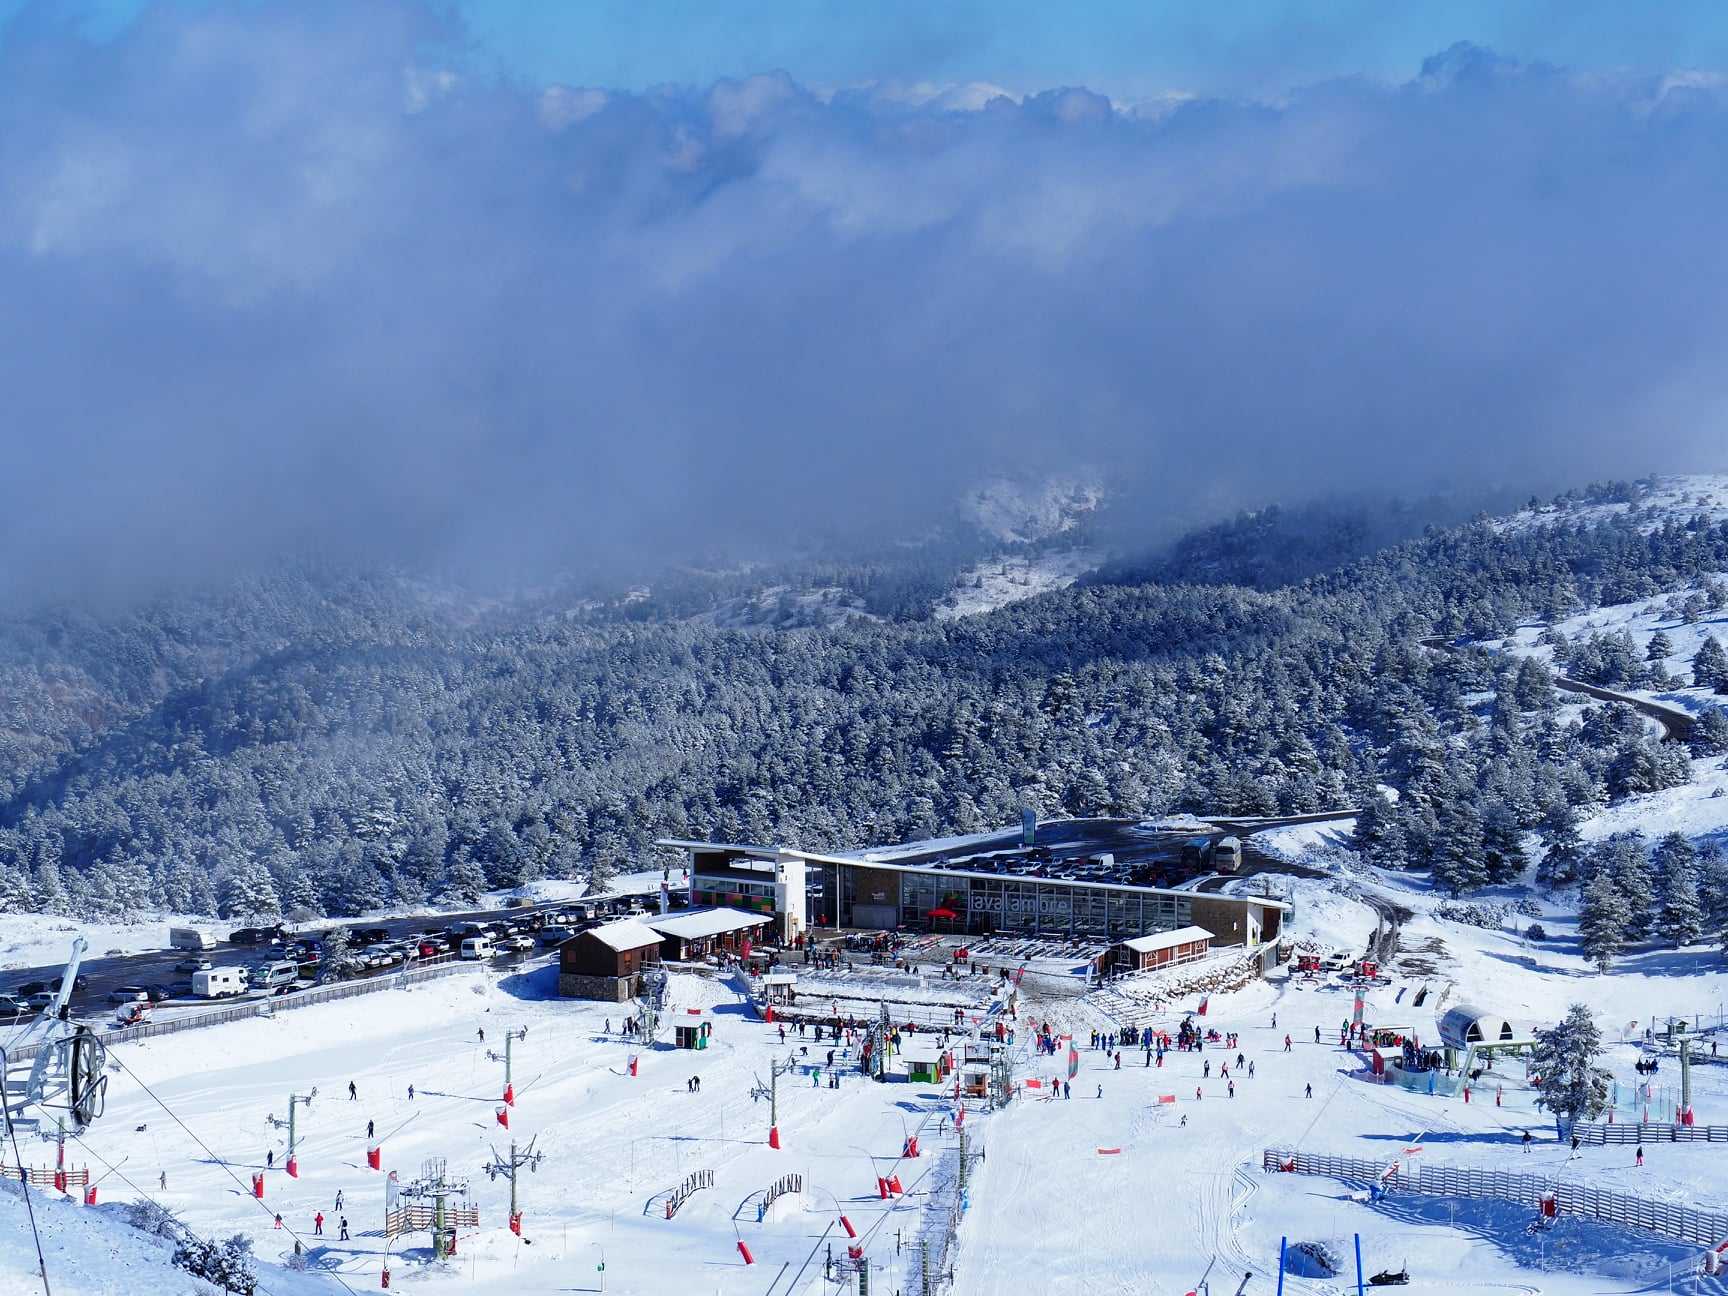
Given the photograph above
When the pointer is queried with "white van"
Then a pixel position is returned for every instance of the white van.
(219, 983)
(477, 947)
(279, 974)
(190, 938)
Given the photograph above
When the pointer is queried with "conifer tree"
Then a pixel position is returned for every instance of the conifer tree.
(1568, 1080)
(1602, 920)
(1681, 919)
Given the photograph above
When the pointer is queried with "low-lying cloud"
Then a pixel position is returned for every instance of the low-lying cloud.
(283, 276)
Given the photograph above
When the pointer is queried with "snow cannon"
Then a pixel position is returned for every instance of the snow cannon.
(516, 1223)
(632, 1066)
(745, 1252)
(293, 1167)
(774, 1137)
(90, 1195)
(374, 1157)
(854, 1253)
(59, 1181)
(847, 1225)
(881, 1188)
(509, 1095)
(910, 1148)
(503, 1115)
(258, 1186)
(894, 1185)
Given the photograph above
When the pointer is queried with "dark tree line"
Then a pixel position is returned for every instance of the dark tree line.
(324, 740)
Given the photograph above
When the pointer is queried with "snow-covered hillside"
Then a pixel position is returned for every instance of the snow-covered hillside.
(1010, 578)
(1664, 498)
(1017, 511)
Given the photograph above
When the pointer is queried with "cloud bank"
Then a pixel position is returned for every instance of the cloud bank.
(276, 276)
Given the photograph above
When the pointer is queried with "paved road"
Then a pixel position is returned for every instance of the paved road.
(1675, 723)
(156, 967)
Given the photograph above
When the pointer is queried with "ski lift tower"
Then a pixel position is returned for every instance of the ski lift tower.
(427, 1205)
(652, 1002)
(53, 1065)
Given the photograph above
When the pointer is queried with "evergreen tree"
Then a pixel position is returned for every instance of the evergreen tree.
(1709, 664)
(1709, 733)
(1568, 1080)
(247, 892)
(1681, 918)
(1458, 862)
(1503, 856)
(333, 965)
(1659, 648)
(1602, 920)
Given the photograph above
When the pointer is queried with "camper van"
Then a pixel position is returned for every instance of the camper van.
(278, 974)
(477, 947)
(219, 983)
(190, 938)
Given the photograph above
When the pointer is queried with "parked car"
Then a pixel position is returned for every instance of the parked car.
(159, 994)
(430, 949)
(477, 947)
(555, 935)
(11, 1009)
(129, 994)
(256, 936)
(193, 965)
(40, 1000)
(519, 944)
(30, 989)
(79, 982)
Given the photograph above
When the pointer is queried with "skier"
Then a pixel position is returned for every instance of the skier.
(1310, 1089)
(368, 1130)
(164, 1184)
(1118, 1061)
(353, 1093)
(698, 1083)
(1066, 1094)
(270, 1159)
(1250, 1070)
(1232, 1088)
(338, 1206)
(1100, 1091)
(1274, 1021)
(608, 1026)
(344, 1236)
(1526, 1141)
(318, 1224)
(1206, 1071)
(1640, 1160)
(1287, 1039)
(482, 1034)
(410, 1093)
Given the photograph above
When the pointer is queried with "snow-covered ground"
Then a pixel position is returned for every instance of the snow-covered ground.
(1670, 497)
(1641, 619)
(1009, 578)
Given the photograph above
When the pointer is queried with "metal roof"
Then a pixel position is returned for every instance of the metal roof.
(625, 934)
(705, 922)
(1166, 940)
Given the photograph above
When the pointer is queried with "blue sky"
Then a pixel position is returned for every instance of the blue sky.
(1122, 47)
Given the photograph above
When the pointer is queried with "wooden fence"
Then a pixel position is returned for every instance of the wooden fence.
(424, 970)
(1548, 1196)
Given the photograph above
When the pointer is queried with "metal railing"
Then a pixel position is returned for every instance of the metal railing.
(427, 969)
(1549, 1196)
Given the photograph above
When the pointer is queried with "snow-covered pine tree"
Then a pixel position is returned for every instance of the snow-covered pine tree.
(1709, 733)
(1457, 861)
(1659, 647)
(1709, 663)
(1681, 918)
(334, 964)
(1568, 1081)
(1602, 920)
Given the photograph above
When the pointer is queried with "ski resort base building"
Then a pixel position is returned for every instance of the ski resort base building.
(1071, 879)
(606, 962)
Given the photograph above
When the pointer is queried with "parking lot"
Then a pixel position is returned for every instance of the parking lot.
(106, 983)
